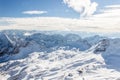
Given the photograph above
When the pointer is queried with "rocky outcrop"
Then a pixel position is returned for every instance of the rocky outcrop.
(101, 46)
(9, 46)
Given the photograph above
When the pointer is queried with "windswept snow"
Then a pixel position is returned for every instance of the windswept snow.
(44, 56)
(59, 65)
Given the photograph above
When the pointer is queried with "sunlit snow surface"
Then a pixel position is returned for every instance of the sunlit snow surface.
(90, 58)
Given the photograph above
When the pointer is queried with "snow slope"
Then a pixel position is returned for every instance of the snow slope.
(43, 56)
(59, 65)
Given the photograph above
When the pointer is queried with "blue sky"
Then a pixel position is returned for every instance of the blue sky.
(14, 8)
(54, 8)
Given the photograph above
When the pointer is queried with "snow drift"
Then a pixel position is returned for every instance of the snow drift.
(26, 55)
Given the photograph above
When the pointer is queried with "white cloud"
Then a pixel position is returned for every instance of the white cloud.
(113, 6)
(110, 11)
(34, 12)
(84, 7)
(107, 21)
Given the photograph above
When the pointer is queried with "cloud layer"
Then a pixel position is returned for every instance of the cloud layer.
(84, 7)
(107, 21)
(34, 12)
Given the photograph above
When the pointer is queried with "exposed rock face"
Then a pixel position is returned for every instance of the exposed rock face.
(102, 46)
(5, 45)
(9, 46)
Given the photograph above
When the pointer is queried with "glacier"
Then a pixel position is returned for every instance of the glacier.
(58, 55)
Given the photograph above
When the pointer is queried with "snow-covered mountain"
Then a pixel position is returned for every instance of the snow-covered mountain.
(22, 44)
(33, 55)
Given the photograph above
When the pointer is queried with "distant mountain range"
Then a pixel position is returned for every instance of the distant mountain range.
(26, 55)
